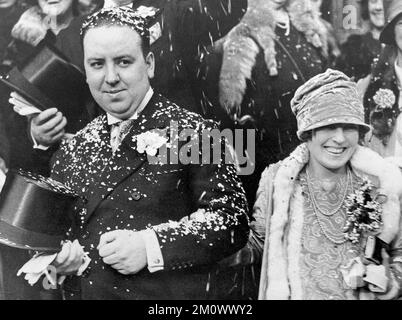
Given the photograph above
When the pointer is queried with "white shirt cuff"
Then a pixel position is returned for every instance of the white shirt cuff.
(36, 145)
(154, 253)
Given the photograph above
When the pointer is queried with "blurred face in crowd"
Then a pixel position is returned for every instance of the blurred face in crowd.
(4, 4)
(55, 7)
(398, 33)
(331, 147)
(117, 72)
(376, 12)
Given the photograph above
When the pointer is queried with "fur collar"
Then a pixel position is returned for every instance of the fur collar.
(283, 279)
(255, 32)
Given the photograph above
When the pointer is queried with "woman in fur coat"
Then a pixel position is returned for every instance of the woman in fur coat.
(327, 218)
(248, 79)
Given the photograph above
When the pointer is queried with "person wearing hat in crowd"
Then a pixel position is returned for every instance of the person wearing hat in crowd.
(152, 229)
(360, 50)
(327, 218)
(383, 99)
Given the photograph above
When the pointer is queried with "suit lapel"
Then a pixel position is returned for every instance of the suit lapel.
(126, 161)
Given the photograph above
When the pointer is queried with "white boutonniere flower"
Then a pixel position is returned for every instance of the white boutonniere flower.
(150, 142)
(384, 99)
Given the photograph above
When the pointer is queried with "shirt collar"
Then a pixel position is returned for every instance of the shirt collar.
(113, 120)
(398, 72)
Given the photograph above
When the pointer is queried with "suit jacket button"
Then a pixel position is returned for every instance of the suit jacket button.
(136, 196)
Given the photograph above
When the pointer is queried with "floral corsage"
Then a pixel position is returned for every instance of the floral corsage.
(364, 214)
(384, 115)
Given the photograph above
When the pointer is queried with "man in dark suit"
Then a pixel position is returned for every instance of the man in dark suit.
(152, 230)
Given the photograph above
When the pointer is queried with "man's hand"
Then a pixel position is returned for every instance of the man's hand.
(48, 127)
(123, 250)
(69, 259)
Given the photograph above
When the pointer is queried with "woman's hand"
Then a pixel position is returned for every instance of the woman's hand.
(70, 258)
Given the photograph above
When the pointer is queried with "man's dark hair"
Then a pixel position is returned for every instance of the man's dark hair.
(119, 16)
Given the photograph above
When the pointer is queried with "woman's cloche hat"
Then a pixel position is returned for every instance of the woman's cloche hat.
(328, 98)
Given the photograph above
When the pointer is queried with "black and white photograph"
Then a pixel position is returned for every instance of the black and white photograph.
(219, 151)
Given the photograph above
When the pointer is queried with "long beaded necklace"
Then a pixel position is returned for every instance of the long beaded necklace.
(317, 209)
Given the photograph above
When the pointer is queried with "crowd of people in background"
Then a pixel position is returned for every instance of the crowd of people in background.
(240, 63)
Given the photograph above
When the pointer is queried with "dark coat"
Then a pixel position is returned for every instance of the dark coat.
(125, 191)
(358, 54)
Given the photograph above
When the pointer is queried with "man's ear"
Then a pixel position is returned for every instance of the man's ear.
(150, 61)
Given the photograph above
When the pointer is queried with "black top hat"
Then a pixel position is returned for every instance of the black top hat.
(393, 11)
(47, 80)
(35, 212)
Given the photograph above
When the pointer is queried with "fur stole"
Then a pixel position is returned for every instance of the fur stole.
(255, 32)
(282, 275)
(31, 27)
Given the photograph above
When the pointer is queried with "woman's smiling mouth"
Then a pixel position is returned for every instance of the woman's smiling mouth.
(335, 150)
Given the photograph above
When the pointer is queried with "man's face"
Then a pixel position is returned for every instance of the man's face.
(117, 72)
(331, 147)
(55, 7)
(4, 4)
(398, 34)
(376, 12)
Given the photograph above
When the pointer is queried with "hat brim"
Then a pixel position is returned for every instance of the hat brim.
(16, 82)
(341, 120)
(387, 35)
(15, 237)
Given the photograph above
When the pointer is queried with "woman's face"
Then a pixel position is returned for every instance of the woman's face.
(376, 12)
(331, 147)
(4, 4)
(55, 7)
(277, 4)
(398, 34)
